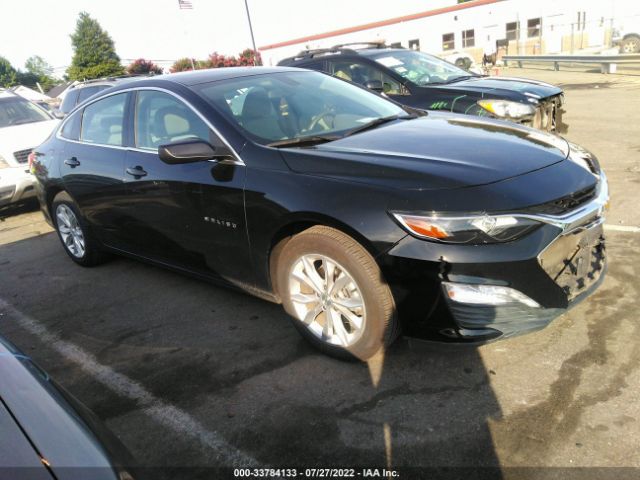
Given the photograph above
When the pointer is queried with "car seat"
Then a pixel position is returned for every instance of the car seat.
(259, 116)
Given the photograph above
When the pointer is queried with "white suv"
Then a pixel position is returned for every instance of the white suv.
(23, 126)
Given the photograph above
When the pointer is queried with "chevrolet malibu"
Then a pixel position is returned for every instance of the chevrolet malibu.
(363, 218)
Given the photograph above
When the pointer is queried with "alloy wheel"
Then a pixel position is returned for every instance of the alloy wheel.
(70, 231)
(327, 299)
(631, 46)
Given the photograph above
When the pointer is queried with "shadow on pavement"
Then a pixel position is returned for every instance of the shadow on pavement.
(238, 366)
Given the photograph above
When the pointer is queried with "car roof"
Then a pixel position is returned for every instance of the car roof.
(7, 94)
(307, 56)
(370, 52)
(209, 75)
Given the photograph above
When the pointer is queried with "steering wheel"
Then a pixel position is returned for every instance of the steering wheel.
(423, 79)
(325, 114)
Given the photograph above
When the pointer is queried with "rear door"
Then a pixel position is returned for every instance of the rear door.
(188, 215)
(92, 166)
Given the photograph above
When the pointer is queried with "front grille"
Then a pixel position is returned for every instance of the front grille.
(22, 156)
(565, 204)
(575, 261)
(546, 116)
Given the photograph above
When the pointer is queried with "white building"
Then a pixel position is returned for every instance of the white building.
(522, 26)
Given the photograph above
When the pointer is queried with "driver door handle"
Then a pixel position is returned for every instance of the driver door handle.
(136, 171)
(72, 162)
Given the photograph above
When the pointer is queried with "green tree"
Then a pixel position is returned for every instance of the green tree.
(8, 74)
(37, 71)
(183, 65)
(94, 52)
(142, 66)
(38, 66)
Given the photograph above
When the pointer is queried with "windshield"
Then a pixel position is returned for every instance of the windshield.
(18, 111)
(420, 68)
(285, 106)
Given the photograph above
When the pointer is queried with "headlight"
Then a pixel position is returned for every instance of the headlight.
(584, 158)
(471, 230)
(3, 162)
(486, 295)
(507, 109)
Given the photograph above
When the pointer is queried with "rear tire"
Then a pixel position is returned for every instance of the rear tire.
(74, 233)
(335, 292)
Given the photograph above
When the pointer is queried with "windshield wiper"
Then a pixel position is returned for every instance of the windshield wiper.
(377, 122)
(303, 141)
(461, 77)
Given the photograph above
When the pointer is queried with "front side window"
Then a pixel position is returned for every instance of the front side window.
(420, 68)
(162, 119)
(468, 38)
(290, 105)
(448, 41)
(102, 121)
(18, 111)
(361, 73)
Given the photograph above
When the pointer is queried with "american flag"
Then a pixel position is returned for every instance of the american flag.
(185, 4)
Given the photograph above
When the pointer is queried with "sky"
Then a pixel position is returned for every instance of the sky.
(158, 30)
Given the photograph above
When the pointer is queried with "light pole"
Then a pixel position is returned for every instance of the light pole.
(253, 40)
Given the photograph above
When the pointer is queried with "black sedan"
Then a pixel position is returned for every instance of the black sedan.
(362, 218)
(45, 433)
(423, 81)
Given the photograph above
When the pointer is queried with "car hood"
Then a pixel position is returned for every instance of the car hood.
(441, 150)
(504, 86)
(22, 137)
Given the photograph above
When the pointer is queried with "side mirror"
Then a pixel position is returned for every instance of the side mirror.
(375, 85)
(190, 151)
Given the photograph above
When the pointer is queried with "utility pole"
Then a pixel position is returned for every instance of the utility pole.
(253, 40)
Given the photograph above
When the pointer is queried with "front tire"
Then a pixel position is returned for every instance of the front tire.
(74, 233)
(631, 44)
(335, 292)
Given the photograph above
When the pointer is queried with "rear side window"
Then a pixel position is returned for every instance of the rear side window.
(103, 121)
(71, 128)
(70, 101)
(362, 73)
(162, 119)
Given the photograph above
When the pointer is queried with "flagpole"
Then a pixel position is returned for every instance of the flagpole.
(253, 41)
(187, 5)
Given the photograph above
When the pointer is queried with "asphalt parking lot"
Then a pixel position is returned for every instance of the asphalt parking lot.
(188, 374)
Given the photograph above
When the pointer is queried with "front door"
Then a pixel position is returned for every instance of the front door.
(186, 215)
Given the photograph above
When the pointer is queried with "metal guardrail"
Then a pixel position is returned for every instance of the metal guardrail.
(607, 62)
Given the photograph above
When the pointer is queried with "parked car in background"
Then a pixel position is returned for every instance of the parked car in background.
(362, 218)
(627, 35)
(23, 126)
(46, 433)
(464, 61)
(423, 81)
(78, 93)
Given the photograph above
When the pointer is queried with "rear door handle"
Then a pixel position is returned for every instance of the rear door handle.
(72, 162)
(136, 171)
